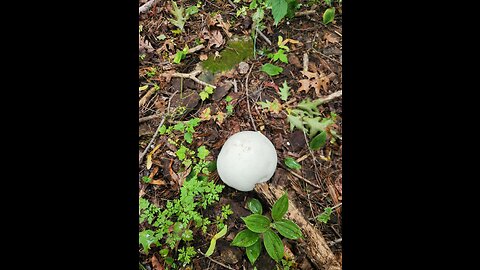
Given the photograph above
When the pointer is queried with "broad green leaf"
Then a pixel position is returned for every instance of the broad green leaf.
(273, 244)
(274, 106)
(245, 238)
(162, 129)
(328, 2)
(228, 99)
(208, 89)
(203, 95)
(296, 122)
(255, 206)
(163, 252)
(146, 238)
(181, 152)
(258, 15)
(271, 70)
(284, 91)
(257, 223)
(292, 164)
(325, 216)
(254, 251)
(253, 4)
(316, 125)
(328, 15)
(179, 56)
(319, 141)
(288, 229)
(179, 126)
(280, 207)
(213, 242)
(188, 137)
(279, 10)
(280, 55)
(191, 10)
(202, 152)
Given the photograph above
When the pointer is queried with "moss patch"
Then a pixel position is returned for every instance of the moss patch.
(236, 51)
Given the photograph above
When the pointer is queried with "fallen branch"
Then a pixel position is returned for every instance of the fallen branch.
(147, 118)
(316, 247)
(248, 99)
(332, 96)
(192, 75)
(263, 36)
(305, 13)
(146, 6)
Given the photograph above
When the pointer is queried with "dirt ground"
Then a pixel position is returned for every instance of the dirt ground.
(319, 44)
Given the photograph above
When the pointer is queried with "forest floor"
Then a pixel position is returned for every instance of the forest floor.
(245, 98)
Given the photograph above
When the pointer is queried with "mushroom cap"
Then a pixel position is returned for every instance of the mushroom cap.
(246, 158)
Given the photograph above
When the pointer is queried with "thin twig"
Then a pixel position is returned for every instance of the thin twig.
(196, 48)
(305, 62)
(329, 57)
(215, 261)
(146, 6)
(248, 99)
(299, 176)
(332, 96)
(151, 141)
(263, 36)
(233, 5)
(147, 118)
(336, 241)
(235, 87)
(192, 75)
(305, 13)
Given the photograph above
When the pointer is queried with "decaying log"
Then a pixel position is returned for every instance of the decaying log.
(316, 247)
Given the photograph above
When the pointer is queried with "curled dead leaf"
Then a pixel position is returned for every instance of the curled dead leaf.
(216, 39)
(330, 38)
(143, 45)
(149, 156)
(156, 264)
(219, 117)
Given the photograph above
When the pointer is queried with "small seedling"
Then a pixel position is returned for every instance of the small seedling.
(260, 229)
(325, 216)
(292, 164)
(271, 70)
(207, 91)
(180, 55)
(181, 16)
(284, 91)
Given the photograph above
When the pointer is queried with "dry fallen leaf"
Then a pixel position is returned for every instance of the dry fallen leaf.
(205, 115)
(219, 118)
(156, 264)
(305, 85)
(203, 57)
(144, 45)
(216, 39)
(149, 156)
(330, 38)
(224, 25)
(159, 182)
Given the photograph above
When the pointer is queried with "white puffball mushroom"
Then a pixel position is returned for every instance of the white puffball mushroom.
(246, 158)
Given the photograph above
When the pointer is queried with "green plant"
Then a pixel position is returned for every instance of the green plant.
(181, 16)
(284, 91)
(328, 15)
(280, 54)
(146, 179)
(180, 55)
(207, 91)
(261, 229)
(187, 127)
(173, 226)
(325, 216)
(292, 164)
(151, 71)
(306, 117)
(271, 70)
(229, 106)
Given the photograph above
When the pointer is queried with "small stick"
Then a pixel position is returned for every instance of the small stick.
(196, 48)
(263, 36)
(215, 261)
(151, 141)
(305, 13)
(329, 57)
(305, 62)
(147, 118)
(235, 88)
(192, 75)
(248, 99)
(146, 6)
(231, 3)
(332, 96)
(336, 241)
(299, 176)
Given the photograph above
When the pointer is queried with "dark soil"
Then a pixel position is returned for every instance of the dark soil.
(323, 46)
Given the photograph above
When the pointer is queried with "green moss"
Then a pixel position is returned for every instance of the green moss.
(236, 51)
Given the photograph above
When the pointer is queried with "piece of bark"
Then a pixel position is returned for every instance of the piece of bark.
(316, 247)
